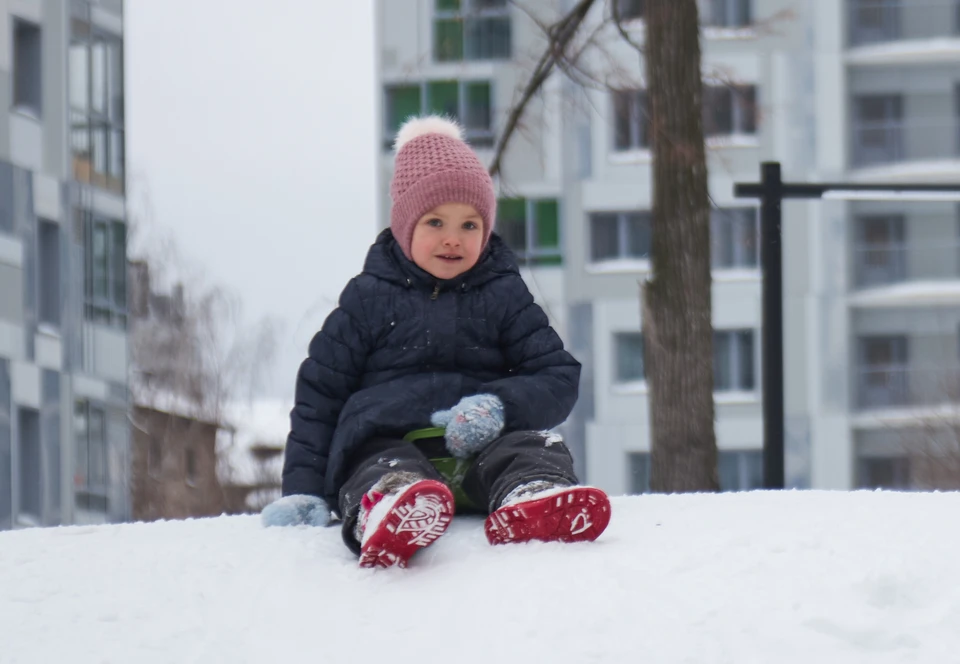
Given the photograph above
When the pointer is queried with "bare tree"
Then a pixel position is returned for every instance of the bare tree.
(677, 324)
(191, 354)
(677, 304)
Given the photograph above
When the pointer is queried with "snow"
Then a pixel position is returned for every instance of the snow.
(260, 422)
(791, 577)
(921, 171)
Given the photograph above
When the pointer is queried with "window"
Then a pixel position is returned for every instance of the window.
(630, 10)
(91, 476)
(471, 30)
(628, 347)
(878, 129)
(884, 378)
(883, 473)
(31, 471)
(734, 238)
(190, 467)
(740, 470)
(96, 94)
(6, 438)
(880, 250)
(48, 247)
(630, 120)
(27, 68)
(639, 481)
(874, 21)
(728, 13)
(531, 228)
(105, 273)
(468, 102)
(154, 458)
(733, 361)
(729, 110)
(619, 235)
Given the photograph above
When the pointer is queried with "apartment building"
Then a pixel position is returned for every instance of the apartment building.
(64, 434)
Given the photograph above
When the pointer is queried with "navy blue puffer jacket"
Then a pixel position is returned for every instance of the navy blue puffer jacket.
(402, 345)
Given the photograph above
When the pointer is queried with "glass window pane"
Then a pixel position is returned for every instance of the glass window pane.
(745, 357)
(79, 77)
(478, 122)
(98, 137)
(119, 261)
(487, 38)
(100, 263)
(80, 436)
(722, 378)
(629, 360)
(115, 73)
(443, 98)
(448, 39)
(99, 77)
(604, 236)
(639, 473)
(448, 5)
(747, 247)
(621, 119)
(98, 449)
(402, 102)
(718, 115)
(638, 234)
(728, 467)
(721, 239)
(746, 98)
(512, 223)
(548, 224)
(753, 465)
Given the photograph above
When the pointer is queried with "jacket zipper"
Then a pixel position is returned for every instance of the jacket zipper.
(436, 292)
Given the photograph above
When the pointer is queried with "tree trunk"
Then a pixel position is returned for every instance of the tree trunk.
(677, 325)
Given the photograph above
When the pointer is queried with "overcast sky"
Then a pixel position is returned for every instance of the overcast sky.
(251, 126)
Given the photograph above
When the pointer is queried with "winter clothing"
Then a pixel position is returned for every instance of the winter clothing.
(508, 462)
(296, 510)
(434, 166)
(471, 424)
(398, 524)
(557, 513)
(402, 346)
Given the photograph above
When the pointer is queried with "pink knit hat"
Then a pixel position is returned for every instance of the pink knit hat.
(433, 166)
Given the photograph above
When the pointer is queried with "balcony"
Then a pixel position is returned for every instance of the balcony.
(921, 142)
(902, 386)
(926, 23)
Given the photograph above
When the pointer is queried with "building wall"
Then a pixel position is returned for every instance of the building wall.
(161, 484)
(57, 360)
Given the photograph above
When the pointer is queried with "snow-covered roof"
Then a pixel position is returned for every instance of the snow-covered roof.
(262, 422)
(790, 577)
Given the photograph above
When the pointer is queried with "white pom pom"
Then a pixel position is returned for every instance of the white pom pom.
(430, 124)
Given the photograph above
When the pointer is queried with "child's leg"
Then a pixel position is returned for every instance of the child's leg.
(531, 491)
(516, 459)
(395, 489)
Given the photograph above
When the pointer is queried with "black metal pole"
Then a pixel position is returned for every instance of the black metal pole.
(771, 265)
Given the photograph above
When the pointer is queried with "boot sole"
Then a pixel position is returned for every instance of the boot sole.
(421, 514)
(578, 514)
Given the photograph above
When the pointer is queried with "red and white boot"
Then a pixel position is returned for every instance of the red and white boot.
(395, 526)
(549, 513)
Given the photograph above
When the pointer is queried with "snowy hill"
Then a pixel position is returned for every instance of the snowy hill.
(759, 577)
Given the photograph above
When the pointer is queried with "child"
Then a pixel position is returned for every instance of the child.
(440, 329)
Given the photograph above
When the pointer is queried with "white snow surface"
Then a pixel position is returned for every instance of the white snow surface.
(744, 578)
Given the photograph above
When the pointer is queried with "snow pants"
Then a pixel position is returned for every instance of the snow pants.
(509, 461)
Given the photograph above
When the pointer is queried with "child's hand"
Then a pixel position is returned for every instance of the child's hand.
(297, 510)
(471, 425)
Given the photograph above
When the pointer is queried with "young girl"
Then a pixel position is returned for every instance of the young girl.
(439, 329)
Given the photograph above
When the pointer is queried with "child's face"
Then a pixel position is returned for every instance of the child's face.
(447, 240)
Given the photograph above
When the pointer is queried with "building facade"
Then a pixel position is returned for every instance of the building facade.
(64, 432)
(851, 90)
